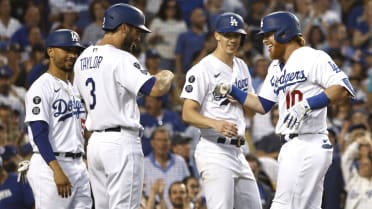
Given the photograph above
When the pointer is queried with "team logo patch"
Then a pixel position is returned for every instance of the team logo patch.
(188, 88)
(137, 65)
(192, 79)
(36, 110)
(36, 100)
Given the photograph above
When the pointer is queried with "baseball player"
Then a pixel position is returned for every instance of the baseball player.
(303, 81)
(109, 79)
(227, 179)
(57, 173)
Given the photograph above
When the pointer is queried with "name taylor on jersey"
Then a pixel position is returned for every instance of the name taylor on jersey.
(90, 62)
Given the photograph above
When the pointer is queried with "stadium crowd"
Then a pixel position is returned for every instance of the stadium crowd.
(182, 34)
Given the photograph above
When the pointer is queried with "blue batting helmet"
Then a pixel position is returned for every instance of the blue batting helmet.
(230, 22)
(121, 13)
(285, 26)
(63, 38)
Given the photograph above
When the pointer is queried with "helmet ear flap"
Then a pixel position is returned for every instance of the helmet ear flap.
(282, 36)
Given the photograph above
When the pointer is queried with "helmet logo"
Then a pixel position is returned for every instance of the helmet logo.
(74, 36)
(233, 21)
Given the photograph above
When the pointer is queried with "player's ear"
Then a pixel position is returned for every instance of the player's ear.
(50, 52)
(217, 36)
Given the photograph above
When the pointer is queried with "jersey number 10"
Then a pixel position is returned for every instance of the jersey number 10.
(291, 97)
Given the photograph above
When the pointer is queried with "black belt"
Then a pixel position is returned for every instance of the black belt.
(118, 129)
(115, 129)
(69, 154)
(283, 138)
(237, 142)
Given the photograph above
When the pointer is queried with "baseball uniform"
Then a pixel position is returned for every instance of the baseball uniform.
(54, 101)
(305, 158)
(227, 179)
(109, 80)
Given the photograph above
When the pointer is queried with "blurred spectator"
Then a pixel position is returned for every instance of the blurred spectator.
(362, 34)
(358, 179)
(187, 8)
(178, 196)
(181, 145)
(11, 95)
(3, 136)
(11, 158)
(333, 193)
(156, 115)
(261, 123)
(32, 18)
(302, 9)
(212, 8)
(156, 192)
(14, 195)
(189, 43)
(166, 27)
(18, 71)
(93, 32)
(69, 15)
(270, 144)
(162, 164)
(210, 44)
(8, 24)
(257, 10)
(35, 37)
(194, 193)
(37, 55)
(315, 37)
(264, 184)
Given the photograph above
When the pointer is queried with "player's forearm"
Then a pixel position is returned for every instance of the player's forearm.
(162, 84)
(337, 94)
(196, 119)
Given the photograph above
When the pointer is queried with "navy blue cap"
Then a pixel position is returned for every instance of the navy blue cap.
(9, 152)
(152, 53)
(5, 72)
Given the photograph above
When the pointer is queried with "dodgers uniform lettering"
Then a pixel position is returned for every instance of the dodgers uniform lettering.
(67, 109)
(242, 84)
(5, 194)
(87, 63)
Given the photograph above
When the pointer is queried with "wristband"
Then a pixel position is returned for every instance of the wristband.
(318, 101)
(238, 94)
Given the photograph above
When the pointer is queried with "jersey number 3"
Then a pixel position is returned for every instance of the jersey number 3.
(291, 97)
(92, 102)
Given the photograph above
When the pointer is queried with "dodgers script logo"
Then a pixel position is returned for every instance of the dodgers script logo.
(287, 79)
(66, 109)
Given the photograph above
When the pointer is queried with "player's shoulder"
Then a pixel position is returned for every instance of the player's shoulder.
(202, 66)
(43, 82)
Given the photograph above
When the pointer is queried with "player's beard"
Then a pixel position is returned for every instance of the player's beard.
(67, 67)
(132, 42)
(277, 51)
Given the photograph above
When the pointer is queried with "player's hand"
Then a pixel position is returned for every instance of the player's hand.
(225, 128)
(222, 89)
(296, 115)
(232, 100)
(63, 184)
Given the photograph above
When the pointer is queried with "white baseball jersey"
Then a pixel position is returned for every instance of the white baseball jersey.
(201, 81)
(107, 106)
(52, 100)
(222, 167)
(295, 81)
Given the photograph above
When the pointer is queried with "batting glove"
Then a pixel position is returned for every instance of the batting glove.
(296, 115)
(22, 171)
(222, 89)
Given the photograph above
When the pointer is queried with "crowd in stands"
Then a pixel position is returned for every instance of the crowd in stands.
(182, 34)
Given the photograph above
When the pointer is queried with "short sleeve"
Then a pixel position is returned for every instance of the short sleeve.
(195, 87)
(131, 74)
(37, 102)
(326, 73)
